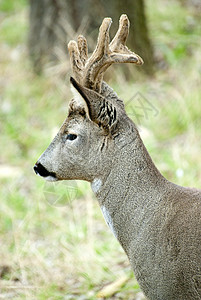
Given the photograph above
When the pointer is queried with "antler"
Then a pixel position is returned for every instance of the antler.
(89, 71)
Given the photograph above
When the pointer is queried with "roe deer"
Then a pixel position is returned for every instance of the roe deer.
(158, 223)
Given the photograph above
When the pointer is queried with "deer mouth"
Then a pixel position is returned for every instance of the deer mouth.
(40, 170)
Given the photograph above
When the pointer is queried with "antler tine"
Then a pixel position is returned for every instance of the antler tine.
(119, 52)
(119, 41)
(97, 59)
(85, 71)
(103, 40)
(75, 60)
(83, 48)
(122, 33)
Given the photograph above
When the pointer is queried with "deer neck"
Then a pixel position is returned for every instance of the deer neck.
(132, 187)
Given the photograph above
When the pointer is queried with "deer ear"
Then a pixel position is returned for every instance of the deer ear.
(78, 103)
(99, 110)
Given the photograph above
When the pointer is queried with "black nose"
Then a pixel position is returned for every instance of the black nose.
(42, 171)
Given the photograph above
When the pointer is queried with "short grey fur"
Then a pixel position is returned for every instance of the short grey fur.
(158, 223)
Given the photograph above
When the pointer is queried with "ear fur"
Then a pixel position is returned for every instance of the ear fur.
(98, 109)
(78, 102)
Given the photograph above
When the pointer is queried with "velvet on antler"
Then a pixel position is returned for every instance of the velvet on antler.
(89, 71)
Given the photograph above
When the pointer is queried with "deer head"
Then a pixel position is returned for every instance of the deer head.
(85, 144)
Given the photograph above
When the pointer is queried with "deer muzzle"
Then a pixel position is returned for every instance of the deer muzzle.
(42, 171)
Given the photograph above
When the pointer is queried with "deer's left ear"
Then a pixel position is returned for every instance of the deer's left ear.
(97, 107)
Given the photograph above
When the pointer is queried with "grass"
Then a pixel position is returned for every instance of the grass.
(54, 241)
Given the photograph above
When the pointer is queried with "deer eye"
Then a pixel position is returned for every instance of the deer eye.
(71, 137)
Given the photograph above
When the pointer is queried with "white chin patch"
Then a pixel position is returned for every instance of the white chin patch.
(50, 178)
(96, 185)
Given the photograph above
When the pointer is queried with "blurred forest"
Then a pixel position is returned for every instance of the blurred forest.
(54, 22)
(54, 243)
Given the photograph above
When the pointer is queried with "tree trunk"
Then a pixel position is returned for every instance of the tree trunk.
(44, 18)
(139, 37)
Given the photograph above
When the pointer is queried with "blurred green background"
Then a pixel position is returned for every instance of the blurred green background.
(54, 243)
